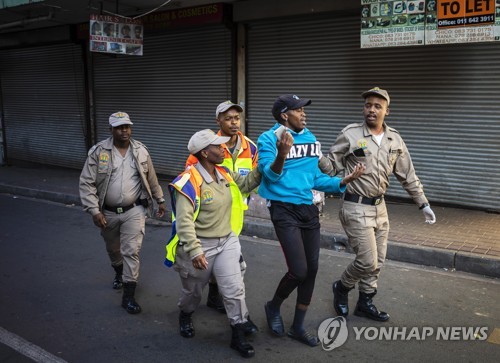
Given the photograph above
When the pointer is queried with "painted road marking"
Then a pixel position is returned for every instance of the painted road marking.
(27, 349)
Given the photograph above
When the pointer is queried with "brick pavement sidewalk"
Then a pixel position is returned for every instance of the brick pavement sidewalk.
(456, 229)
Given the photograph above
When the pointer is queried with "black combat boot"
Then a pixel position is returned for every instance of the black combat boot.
(239, 342)
(117, 281)
(214, 299)
(365, 308)
(249, 327)
(341, 298)
(128, 301)
(186, 327)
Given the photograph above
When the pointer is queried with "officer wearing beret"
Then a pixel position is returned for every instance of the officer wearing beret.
(363, 213)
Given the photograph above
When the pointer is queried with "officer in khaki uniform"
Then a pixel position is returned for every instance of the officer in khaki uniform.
(363, 213)
(117, 185)
(208, 210)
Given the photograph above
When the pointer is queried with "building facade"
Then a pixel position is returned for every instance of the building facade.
(56, 96)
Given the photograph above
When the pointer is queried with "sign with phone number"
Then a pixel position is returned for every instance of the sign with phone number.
(457, 13)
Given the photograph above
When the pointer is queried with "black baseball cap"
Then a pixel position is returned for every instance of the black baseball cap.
(288, 102)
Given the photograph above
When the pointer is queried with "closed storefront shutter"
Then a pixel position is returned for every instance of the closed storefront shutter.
(444, 98)
(170, 92)
(43, 101)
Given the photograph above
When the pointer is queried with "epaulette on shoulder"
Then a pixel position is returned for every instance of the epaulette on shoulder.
(352, 126)
(93, 148)
(393, 129)
(140, 144)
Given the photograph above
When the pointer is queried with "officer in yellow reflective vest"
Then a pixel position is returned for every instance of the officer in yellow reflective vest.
(240, 156)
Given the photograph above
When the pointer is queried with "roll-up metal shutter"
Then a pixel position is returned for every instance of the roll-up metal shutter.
(170, 92)
(444, 98)
(43, 100)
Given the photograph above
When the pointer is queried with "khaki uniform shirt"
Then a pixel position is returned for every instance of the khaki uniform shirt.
(214, 218)
(125, 183)
(391, 157)
(96, 175)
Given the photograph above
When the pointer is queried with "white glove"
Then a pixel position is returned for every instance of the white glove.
(430, 217)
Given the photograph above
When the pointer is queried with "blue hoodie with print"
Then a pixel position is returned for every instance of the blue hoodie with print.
(300, 173)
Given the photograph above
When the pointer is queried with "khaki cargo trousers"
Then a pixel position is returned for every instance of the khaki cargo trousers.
(367, 228)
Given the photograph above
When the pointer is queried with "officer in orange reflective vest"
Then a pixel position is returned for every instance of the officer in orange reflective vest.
(240, 156)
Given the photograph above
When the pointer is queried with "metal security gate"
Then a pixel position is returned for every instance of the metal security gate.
(170, 92)
(43, 100)
(444, 98)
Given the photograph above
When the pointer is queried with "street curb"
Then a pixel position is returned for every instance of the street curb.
(481, 265)
(421, 255)
(263, 228)
(41, 194)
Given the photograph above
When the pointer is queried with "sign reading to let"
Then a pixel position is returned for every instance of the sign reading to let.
(457, 13)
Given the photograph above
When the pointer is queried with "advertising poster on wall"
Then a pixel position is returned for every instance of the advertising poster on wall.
(461, 21)
(392, 23)
(426, 22)
(116, 35)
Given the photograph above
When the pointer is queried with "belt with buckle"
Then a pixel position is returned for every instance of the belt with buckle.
(120, 210)
(363, 200)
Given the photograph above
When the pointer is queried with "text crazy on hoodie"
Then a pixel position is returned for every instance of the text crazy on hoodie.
(300, 173)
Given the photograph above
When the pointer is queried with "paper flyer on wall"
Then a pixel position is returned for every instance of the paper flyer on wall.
(116, 35)
(497, 21)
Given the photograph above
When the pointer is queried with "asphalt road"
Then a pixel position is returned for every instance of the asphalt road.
(56, 302)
